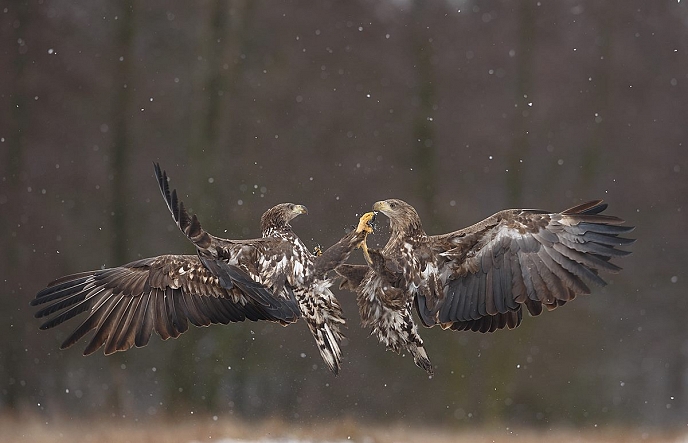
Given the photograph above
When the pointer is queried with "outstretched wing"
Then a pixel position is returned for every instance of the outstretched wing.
(264, 261)
(521, 257)
(162, 294)
(189, 225)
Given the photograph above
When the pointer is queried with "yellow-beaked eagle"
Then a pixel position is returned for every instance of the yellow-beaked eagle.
(274, 278)
(479, 278)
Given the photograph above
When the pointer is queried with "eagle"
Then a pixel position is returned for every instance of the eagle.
(273, 278)
(479, 278)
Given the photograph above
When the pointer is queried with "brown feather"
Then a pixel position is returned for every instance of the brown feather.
(119, 325)
(147, 319)
(492, 268)
(110, 315)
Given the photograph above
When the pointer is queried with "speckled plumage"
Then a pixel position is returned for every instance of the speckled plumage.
(478, 278)
(273, 278)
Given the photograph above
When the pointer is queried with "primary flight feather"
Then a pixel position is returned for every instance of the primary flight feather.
(273, 278)
(479, 278)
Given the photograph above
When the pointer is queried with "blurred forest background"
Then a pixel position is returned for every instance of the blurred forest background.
(460, 107)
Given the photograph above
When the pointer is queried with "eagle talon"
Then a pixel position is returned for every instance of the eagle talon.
(317, 250)
(365, 226)
(365, 223)
(366, 254)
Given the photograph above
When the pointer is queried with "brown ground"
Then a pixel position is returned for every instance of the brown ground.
(207, 429)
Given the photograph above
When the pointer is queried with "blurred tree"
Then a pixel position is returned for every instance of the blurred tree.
(526, 44)
(13, 176)
(123, 80)
(500, 358)
(203, 147)
(123, 85)
(223, 45)
(19, 101)
(424, 140)
(224, 42)
(592, 151)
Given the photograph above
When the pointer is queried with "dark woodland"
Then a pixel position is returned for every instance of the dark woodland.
(461, 108)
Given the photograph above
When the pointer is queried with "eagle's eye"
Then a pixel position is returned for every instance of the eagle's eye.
(392, 205)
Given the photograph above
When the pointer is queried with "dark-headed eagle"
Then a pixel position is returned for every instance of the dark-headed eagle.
(274, 278)
(480, 277)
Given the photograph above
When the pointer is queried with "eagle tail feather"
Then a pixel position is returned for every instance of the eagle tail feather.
(420, 358)
(324, 316)
(328, 345)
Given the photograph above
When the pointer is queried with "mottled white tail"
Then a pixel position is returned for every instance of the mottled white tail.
(420, 358)
(328, 345)
(323, 314)
(396, 329)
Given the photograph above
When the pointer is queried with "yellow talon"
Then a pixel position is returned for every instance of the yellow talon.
(366, 255)
(364, 223)
(365, 226)
(317, 250)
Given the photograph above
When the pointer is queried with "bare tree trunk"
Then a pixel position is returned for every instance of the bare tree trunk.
(590, 157)
(499, 357)
(202, 157)
(425, 149)
(204, 145)
(121, 104)
(224, 41)
(10, 369)
(120, 128)
(520, 147)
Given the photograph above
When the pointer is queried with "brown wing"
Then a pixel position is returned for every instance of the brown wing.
(258, 258)
(521, 257)
(125, 304)
(352, 275)
(338, 253)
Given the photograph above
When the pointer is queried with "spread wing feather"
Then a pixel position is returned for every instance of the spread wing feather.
(250, 264)
(126, 304)
(273, 278)
(522, 257)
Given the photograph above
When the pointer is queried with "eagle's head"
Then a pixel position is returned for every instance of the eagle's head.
(278, 217)
(402, 216)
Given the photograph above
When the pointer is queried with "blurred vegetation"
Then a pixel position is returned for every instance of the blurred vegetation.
(461, 108)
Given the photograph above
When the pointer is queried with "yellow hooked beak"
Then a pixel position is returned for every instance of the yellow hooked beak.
(300, 209)
(381, 206)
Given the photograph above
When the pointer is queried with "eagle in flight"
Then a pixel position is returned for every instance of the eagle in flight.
(479, 278)
(274, 278)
